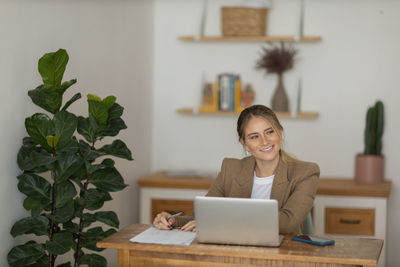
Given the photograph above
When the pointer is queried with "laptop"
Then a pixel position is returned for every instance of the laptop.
(237, 221)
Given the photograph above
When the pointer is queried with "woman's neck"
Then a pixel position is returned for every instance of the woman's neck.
(266, 168)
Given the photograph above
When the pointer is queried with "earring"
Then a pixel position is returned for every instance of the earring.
(247, 153)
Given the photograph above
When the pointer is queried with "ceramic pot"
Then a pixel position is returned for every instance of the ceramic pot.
(280, 100)
(369, 168)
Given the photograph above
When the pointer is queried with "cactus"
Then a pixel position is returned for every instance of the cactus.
(374, 129)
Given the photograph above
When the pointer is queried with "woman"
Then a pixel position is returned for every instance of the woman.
(269, 173)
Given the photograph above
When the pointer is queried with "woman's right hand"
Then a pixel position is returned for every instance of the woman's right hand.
(161, 222)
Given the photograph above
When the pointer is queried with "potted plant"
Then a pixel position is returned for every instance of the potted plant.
(67, 177)
(370, 165)
(278, 59)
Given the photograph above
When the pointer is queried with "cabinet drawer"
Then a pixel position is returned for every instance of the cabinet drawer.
(349, 221)
(170, 205)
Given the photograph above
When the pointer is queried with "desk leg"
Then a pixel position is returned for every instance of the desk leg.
(123, 258)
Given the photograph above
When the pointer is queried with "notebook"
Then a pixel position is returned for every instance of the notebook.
(239, 221)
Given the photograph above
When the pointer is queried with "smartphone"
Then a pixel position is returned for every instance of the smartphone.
(320, 241)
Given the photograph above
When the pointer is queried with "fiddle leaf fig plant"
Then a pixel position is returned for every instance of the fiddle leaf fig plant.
(66, 176)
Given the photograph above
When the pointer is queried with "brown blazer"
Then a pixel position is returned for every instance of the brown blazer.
(294, 187)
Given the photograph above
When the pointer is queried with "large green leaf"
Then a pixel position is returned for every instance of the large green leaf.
(35, 187)
(79, 176)
(109, 101)
(28, 142)
(34, 206)
(52, 66)
(93, 260)
(108, 217)
(65, 213)
(71, 147)
(71, 227)
(52, 141)
(62, 242)
(93, 98)
(113, 127)
(94, 199)
(108, 162)
(31, 225)
(108, 180)
(87, 129)
(67, 164)
(26, 254)
(94, 235)
(91, 168)
(65, 192)
(54, 100)
(42, 262)
(115, 111)
(99, 111)
(88, 152)
(72, 100)
(88, 219)
(64, 86)
(40, 99)
(65, 124)
(38, 127)
(118, 149)
(50, 97)
(34, 159)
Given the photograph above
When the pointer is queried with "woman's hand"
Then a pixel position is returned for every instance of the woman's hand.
(161, 222)
(189, 227)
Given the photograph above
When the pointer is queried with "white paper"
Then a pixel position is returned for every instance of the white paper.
(164, 237)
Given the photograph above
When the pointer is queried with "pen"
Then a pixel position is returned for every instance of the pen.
(176, 214)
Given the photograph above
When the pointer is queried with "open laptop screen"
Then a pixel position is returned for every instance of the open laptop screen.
(240, 221)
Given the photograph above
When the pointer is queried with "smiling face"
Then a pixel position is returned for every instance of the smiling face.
(262, 140)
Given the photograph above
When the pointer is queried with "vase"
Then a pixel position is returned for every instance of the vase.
(369, 169)
(280, 100)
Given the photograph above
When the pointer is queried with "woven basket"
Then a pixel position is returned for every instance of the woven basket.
(244, 21)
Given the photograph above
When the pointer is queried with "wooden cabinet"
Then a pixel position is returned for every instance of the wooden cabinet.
(172, 193)
(170, 205)
(349, 221)
(342, 207)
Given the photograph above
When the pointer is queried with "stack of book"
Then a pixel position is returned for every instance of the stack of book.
(225, 94)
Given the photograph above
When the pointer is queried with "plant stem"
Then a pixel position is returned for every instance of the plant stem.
(78, 252)
(52, 258)
(81, 223)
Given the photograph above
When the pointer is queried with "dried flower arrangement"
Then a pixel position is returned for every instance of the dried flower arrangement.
(278, 59)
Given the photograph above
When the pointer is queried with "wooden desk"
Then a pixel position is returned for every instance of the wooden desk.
(346, 252)
(338, 201)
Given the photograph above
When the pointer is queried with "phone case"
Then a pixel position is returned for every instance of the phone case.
(314, 242)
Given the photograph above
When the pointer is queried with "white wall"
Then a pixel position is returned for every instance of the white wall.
(110, 49)
(357, 62)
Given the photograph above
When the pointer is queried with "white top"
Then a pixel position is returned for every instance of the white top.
(262, 187)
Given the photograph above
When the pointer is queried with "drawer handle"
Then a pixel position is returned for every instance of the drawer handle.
(350, 221)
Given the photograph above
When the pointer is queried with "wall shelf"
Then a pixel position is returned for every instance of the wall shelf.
(192, 38)
(287, 115)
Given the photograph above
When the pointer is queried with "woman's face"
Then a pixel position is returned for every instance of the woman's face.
(261, 140)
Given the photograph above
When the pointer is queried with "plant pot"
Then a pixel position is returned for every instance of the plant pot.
(280, 100)
(369, 168)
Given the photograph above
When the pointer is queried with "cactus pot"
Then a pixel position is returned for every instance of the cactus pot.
(369, 168)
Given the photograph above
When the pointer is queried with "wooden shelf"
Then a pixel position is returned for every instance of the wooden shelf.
(192, 38)
(288, 115)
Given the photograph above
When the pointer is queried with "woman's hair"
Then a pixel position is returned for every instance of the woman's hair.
(258, 111)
